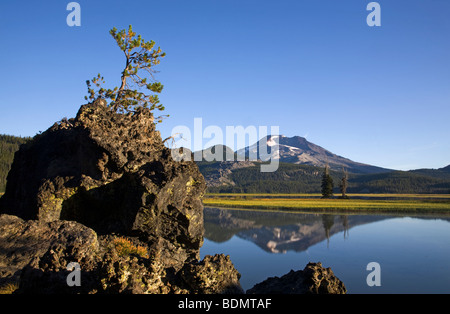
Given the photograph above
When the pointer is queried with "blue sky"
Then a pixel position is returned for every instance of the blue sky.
(378, 95)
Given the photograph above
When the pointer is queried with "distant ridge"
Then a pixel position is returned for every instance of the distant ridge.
(435, 173)
(301, 167)
(297, 150)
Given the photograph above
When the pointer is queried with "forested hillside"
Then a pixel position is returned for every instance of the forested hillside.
(432, 182)
(292, 178)
(289, 178)
(8, 146)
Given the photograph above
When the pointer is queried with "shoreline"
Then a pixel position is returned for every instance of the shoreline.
(319, 196)
(367, 204)
(312, 203)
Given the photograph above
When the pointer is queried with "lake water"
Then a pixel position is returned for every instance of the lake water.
(413, 251)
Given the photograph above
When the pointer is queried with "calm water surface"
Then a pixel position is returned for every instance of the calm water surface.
(413, 252)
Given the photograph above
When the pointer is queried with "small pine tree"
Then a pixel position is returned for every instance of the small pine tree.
(141, 57)
(327, 183)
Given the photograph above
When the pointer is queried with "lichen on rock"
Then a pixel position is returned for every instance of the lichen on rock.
(313, 279)
(112, 173)
(84, 183)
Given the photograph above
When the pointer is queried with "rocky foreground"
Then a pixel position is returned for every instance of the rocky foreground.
(102, 192)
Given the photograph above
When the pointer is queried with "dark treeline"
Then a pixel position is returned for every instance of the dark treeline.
(292, 178)
(401, 182)
(8, 146)
(289, 178)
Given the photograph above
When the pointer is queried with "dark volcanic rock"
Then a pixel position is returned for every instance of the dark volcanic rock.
(37, 255)
(102, 192)
(24, 242)
(313, 279)
(214, 274)
(105, 270)
(112, 173)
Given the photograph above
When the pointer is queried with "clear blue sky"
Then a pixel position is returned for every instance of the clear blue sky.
(379, 95)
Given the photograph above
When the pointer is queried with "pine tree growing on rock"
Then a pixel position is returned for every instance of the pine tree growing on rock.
(138, 87)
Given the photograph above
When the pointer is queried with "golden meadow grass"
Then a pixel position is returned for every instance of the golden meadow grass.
(420, 203)
(318, 195)
(376, 203)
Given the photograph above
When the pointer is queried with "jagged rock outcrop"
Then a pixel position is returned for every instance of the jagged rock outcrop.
(313, 279)
(112, 173)
(75, 189)
(35, 257)
(214, 274)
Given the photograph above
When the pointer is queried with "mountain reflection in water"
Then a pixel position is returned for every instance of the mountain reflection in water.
(278, 232)
(413, 250)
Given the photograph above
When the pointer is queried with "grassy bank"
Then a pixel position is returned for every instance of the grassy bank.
(380, 203)
(318, 195)
(368, 203)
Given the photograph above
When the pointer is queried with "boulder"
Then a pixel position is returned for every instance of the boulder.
(100, 192)
(112, 173)
(313, 279)
(23, 243)
(214, 274)
(36, 258)
(106, 270)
